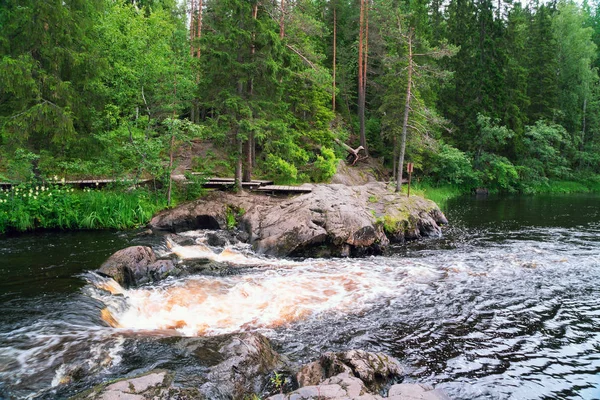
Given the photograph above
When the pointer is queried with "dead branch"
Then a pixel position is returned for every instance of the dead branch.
(353, 156)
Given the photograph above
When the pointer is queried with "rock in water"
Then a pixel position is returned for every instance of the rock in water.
(248, 358)
(375, 370)
(332, 220)
(356, 374)
(128, 266)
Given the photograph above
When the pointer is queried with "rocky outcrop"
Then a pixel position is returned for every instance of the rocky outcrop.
(245, 366)
(136, 265)
(344, 386)
(333, 220)
(236, 366)
(155, 385)
(129, 265)
(356, 374)
(374, 369)
(248, 359)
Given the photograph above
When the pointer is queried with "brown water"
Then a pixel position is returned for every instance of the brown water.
(505, 306)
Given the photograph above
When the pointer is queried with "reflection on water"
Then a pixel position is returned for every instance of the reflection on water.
(504, 306)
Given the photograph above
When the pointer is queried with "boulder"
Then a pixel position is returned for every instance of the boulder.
(220, 238)
(341, 386)
(155, 385)
(415, 391)
(128, 266)
(332, 220)
(375, 370)
(247, 360)
(160, 269)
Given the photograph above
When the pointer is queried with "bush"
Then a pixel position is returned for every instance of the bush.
(325, 166)
(498, 173)
(280, 170)
(452, 166)
(544, 146)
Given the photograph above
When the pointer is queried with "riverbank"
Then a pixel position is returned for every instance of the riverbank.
(441, 194)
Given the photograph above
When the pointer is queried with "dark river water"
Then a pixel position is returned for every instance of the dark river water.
(506, 305)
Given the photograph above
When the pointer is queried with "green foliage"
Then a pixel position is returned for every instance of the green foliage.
(544, 146)
(452, 166)
(232, 214)
(191, 189)
(21, 165)
(50, 205)
(440, 194)
(105, 88)
(491, 136)
(277, 381)
(280, 170)
(325, 166)
(497, 173)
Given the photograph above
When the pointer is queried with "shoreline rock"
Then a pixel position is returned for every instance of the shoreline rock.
(332, 220)
(245, 366)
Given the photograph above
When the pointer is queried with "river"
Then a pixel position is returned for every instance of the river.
(506, 305)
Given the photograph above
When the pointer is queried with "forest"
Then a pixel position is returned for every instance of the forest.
(475, 93)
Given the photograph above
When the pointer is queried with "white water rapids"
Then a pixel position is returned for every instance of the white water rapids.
(274, 294)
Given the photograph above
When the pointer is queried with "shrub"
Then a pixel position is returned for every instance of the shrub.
(280, 170)
(498, 173)
(452, 166)
(325, 166)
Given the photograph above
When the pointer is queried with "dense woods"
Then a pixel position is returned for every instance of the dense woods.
(475, 93)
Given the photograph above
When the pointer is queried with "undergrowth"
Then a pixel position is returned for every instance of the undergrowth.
(50, 205)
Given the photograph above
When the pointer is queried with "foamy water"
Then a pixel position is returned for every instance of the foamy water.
(268, 297)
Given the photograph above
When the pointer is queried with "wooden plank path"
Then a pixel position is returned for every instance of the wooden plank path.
(284, 189)
(261, 186)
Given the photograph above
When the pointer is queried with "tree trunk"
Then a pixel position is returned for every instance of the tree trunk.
(249, 147)
(406, 111)
(583, 126)
(239, 143)
(366, 54)
(361, 86)
(281, 21)
(192, 30)
(239, 161)
(198, 27)
(170, 168)
(334, 51)
(394, 158)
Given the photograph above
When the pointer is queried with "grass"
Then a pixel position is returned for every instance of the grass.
(589, 185)
(441, 194)
(438, 194)
(33, 206)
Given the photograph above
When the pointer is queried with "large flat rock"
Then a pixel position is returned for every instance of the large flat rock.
(332, 220)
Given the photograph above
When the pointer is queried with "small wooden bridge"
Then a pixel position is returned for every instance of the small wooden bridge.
(261, 186)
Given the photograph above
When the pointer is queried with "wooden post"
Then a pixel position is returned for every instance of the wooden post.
(409, 169)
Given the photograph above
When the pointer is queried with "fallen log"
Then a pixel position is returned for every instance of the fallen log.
(353, 156)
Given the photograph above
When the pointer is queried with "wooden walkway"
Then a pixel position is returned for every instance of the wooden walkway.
(261, 186)
(281, 188)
